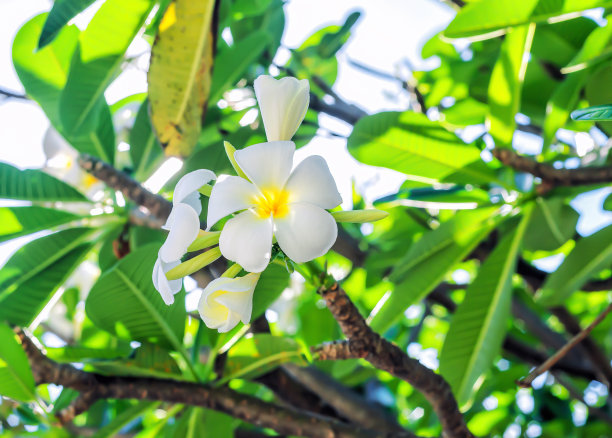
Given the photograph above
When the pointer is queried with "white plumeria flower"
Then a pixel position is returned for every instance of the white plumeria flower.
(186, 190)
(166, 288)
(283, 104)
(226, 301)
(184, 220)
(275, 202)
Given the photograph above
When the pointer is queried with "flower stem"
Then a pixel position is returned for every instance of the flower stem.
(194, 264)
(204, 240)
(232, 271)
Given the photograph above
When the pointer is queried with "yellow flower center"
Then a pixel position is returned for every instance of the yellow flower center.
(272, 202)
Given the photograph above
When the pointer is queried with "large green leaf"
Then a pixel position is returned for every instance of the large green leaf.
(147, 360)
(478, 327)
(16, 379)
(599, 112)
(486, 16)
(180, 74)
(61, 13)
(34, 185)
(43, 74)
(565, 98)
(205, 423)
(411, 143)
(20, 221)
(553, 223)
(255, 355)
(96, 61)
(231, 63)
(124, 302)
(428, 260)
(145, 150)
(591, 255)
(33, 274)
(506, 84)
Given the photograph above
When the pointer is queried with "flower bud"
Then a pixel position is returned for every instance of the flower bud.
(359, 216)
(226, 301)
(205, 240)
(194, 264)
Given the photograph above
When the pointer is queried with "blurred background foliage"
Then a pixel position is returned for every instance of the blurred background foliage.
(479, 270)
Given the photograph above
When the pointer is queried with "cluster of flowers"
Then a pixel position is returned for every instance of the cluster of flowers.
(271, 203)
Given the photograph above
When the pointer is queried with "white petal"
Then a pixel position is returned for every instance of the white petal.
(306, 233)
(184, 227)
(229, 195)
(186, 190)
(166, 288)
(269, 164)
(247, 240)
(241, 303)
(312, 182)
(283, 104)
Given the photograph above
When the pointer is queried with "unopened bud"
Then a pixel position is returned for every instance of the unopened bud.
(232, 271)
(230, 151)
(194, 264)
(204, 240)
(360, 216)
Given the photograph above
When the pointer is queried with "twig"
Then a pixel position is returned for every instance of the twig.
(131, 189)
(245, 407)
(526, 382)
(552, 176)
(12, 94)
(364, 343)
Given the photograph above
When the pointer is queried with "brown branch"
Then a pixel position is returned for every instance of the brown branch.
(579, 337)
(245, 407)
(364, 343)
(130, 188)
(79, 405)
(552, 176)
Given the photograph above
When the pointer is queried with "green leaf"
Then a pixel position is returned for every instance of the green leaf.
(16, 379)
(124, 302)
(591, 255)
(21, 221)
(125, 417)
(599, 112)
(145, 150)
(256, 355)
(43, 72)
(81, 354)
(205, 423)
(429, 259)
(478, 327)
(96, 61)
(565, 98)
(487, 16)
(552, 224)
(35, 272)
(34, 185)
(231, 63)
(61, 13)
(410, 143)
(273, 281)
(180, 74)
(506, 84)
(607, 204)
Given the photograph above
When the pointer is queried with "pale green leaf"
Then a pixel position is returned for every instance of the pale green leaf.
(61, 13)
(20, 221)
(506, 84)
(411, 143)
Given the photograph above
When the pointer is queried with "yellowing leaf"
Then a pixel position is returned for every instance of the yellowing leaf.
(180, 74)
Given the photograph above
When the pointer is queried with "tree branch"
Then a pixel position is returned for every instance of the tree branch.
(245, 407)
(12, 94)
(369, 345)
(552, 176)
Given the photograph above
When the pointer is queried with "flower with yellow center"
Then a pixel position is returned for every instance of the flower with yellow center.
(275, 202)
(226, 301)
